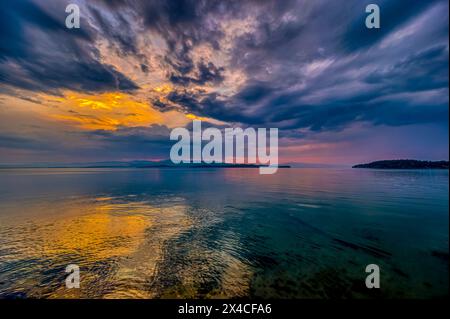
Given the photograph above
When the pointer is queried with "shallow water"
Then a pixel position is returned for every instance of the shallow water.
(165, 233)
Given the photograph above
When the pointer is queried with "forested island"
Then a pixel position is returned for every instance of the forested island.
(404, 164)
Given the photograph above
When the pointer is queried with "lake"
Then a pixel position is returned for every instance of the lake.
(222, 233)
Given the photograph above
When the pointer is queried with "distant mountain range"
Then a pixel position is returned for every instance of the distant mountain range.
(134, 164)
(405, 164)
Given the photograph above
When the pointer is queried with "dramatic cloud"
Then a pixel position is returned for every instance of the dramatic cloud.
(310, 68)
(316, 69)
(39, 53)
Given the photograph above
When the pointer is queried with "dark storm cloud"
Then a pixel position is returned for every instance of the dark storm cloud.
(425, 70)
(120, 33)
(15, 16)
(37, 51)
(207, 73)
(395, 13)
(183, 24)
(307, 64)
(314, 64)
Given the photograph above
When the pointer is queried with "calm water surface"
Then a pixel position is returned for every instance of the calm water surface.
(212, 233)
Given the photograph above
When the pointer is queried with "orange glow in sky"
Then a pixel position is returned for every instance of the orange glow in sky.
(106, 111)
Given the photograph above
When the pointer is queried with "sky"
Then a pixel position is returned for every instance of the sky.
(112, 90)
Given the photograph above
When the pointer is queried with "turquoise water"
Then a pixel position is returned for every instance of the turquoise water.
(222, 233)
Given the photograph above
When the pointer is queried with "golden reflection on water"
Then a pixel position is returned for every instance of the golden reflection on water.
(127, 238)
(121, 247)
